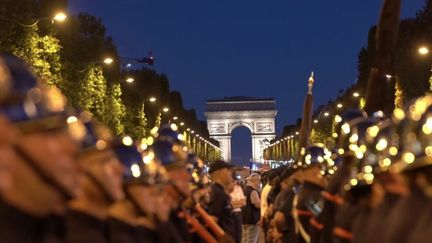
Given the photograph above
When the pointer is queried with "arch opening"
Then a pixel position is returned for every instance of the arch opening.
(241, 145)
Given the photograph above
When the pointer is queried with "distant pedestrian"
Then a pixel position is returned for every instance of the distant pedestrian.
(251, 213)
(238, 201)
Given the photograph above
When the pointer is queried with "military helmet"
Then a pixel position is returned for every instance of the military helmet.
(170, 155)
(16, 79)
(316, 155)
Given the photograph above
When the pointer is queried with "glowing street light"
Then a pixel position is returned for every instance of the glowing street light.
(356, 94)
(152, 99)
(108, 60)
(165, 109)
(388, 76)
(315, 121)
(60, 17)
(423, 50)
(182, 123)
(175, 118)
(326, 114)
(339, 105)
(130, 80)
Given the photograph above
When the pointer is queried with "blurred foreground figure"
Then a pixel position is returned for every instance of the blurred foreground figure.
(37, 157)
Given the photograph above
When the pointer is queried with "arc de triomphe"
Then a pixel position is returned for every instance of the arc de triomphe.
(257, 114)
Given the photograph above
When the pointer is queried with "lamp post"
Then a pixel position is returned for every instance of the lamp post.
(58, 17)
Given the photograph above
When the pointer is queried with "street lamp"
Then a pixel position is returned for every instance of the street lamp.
(108, 60)
(315, 121)
(339, 105)
(423, 50)
(130, 80)
(152, 99)
(326, 114)
(58, 17)
(356, 94)
(165, 109)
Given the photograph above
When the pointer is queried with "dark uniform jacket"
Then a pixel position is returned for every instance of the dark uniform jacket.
(286, 206)
(83, 228)
(404, 217)
(17, 226)
(220, 207)
(379, 219)
(121, 232)
(422, 233)
(309, 196)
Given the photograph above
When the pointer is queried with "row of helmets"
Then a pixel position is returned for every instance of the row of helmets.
(397, 144)
(33, 106)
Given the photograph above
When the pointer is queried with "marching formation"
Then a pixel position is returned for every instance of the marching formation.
(373, 185)
(66, 178)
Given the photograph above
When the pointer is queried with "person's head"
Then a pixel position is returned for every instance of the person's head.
(44, 168)
(255, 180)
(221, 173)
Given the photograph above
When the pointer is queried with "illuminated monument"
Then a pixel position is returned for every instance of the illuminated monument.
(257, 114)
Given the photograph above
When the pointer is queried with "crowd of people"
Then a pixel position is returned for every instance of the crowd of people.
(373, 185)
(65, 177)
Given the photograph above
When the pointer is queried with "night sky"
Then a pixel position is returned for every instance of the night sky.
(263, 48)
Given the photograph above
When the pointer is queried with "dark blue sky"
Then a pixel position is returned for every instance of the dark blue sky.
(265, 48)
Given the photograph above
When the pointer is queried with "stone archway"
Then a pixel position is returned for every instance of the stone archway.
(257, 114)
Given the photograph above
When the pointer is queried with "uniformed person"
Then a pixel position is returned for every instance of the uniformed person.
(307, 206)
(220, 203)
(39, 162)
(136, 218)
(101, 182)
(414, 165)
(332, 195)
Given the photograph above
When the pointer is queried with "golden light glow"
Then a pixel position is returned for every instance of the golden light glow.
(339, 105)
(382, 144)
(368, 169)
(72, 119)
(148, 157)
(127, 141)
(143, 146)
(359, 154)
(180, 137)
(60, 17)
(165, 109)
(130, 80)
(326, 114)
(338, 119)
(373, 131)
(423, 50)
(393, 151)
(154, 131)
(315, 121)
(108, 60)
(136, 172)
(346, 128)
(341, 151)
(320, 159)
(175, 118)
(408, 158)
(427, 127)
(386, 162)
(356, 94)
(334, 135)
(182, 123)
(363, 148)
(353, 138)
(399, 114)
(428, 151)
(353, 182)
(368, 177)
(152, 99)
(174, 127)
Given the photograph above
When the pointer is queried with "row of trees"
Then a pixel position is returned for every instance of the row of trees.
(410, 78)
(69, 55)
